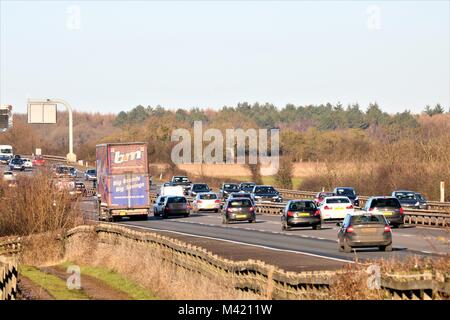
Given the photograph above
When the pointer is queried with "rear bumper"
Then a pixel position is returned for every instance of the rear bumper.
(395, 220)
(304, 221)
(241, 217)
(127, 213)
(175, 212)
(364, 241)
(206, 207)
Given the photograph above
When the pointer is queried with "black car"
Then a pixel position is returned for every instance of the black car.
(390, 207)
(410, 199)
(198, 188)
(266, 193)
(246, 186)
(175, 206)
(228, 188)
(349, 193)
(301, 213)
(239, 209)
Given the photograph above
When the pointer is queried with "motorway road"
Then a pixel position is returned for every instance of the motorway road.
(266, 234)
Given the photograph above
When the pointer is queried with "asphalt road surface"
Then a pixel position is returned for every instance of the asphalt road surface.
(319, 246)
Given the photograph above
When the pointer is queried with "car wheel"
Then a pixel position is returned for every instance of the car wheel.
(387, 248)
(216, 210)
(283, 226)
(347, 248)
(186, 215)
(401, 226)
(115, 219)
(317, 227)
(341, 249)
(224, 221)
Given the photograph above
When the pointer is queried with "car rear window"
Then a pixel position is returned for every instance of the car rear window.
(265, 190)
(405, 195)
(211, 196)
(337, 200)
(345, 192)
(176, 200)
(241, 195)
(200, 187)
(363, 219)
(240, 203)
(302, 205)
(388, 202)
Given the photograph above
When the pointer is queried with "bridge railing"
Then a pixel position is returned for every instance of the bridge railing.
(256, 276)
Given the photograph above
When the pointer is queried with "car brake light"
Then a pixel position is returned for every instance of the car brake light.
(327, 208)
(199, 201)
(349, 229)
(229, 210)
(401, 210)
(252, 209)
(370, 209)
(349, 207)
(290, 214)
(166, 209)
(317, 213)
(387, 229)
(217, 201)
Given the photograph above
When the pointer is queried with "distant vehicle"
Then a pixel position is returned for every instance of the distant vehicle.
(123, 184)
(390, 207)
(175, 206)
(266, 193)
(198, 188)
(246, 186)
(347, 192)
(38, 161)
(301, 213)
(320, 196)
(16, 164)
(241, 195)
(6, 150)
(27, 163)
(181, 181)
(9, 178)
(158, 206)
(239, 209)
(73, 172)
(5, 159)
(171, 190)
(410, 199)
(80, 188)
(364, 230)
(62, 171)
(227, 188)
(335, 208)
(208, 201)
(90, 175)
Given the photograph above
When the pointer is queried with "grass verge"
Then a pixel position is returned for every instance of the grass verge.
(56, 287)
(115, 281)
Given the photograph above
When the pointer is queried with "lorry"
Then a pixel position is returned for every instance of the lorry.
(122, 181)
(6, 153)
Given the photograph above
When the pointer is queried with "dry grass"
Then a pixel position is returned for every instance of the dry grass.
(35, 206)
(152, 269)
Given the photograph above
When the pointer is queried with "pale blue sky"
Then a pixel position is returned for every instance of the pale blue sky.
(210, 53)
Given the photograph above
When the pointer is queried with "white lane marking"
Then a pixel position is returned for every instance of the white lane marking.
(244, 243)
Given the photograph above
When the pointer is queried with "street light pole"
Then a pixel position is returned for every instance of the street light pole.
(71, 157)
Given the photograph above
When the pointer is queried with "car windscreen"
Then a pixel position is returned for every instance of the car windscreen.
(405, 195)
(90, 172)
(208, 196)
(388, 202)
(9, 151)
(240, 203)
(16, 161)
(200, 187)
(337, 200)
(345, 192)
(302, 206)
(265, 190)
(231, 186)
(368, 219)
(241, 195)
(176, 200)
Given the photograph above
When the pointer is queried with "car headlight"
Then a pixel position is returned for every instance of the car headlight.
(257, 197)
(417, 203)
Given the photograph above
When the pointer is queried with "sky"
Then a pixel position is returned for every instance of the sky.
(109, 56)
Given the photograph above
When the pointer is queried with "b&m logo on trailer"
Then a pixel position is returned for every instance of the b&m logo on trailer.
(127, 158)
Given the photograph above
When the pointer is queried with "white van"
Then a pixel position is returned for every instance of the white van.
(6, 153)
(172, 191)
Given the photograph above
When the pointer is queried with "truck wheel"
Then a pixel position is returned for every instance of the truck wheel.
(317, 227)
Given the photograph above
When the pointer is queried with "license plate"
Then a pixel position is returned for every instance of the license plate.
(369, 230)
(303, 214)
(339, 208)
(387, 213)
(210, 206)
(123, 213)
(241, 216)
